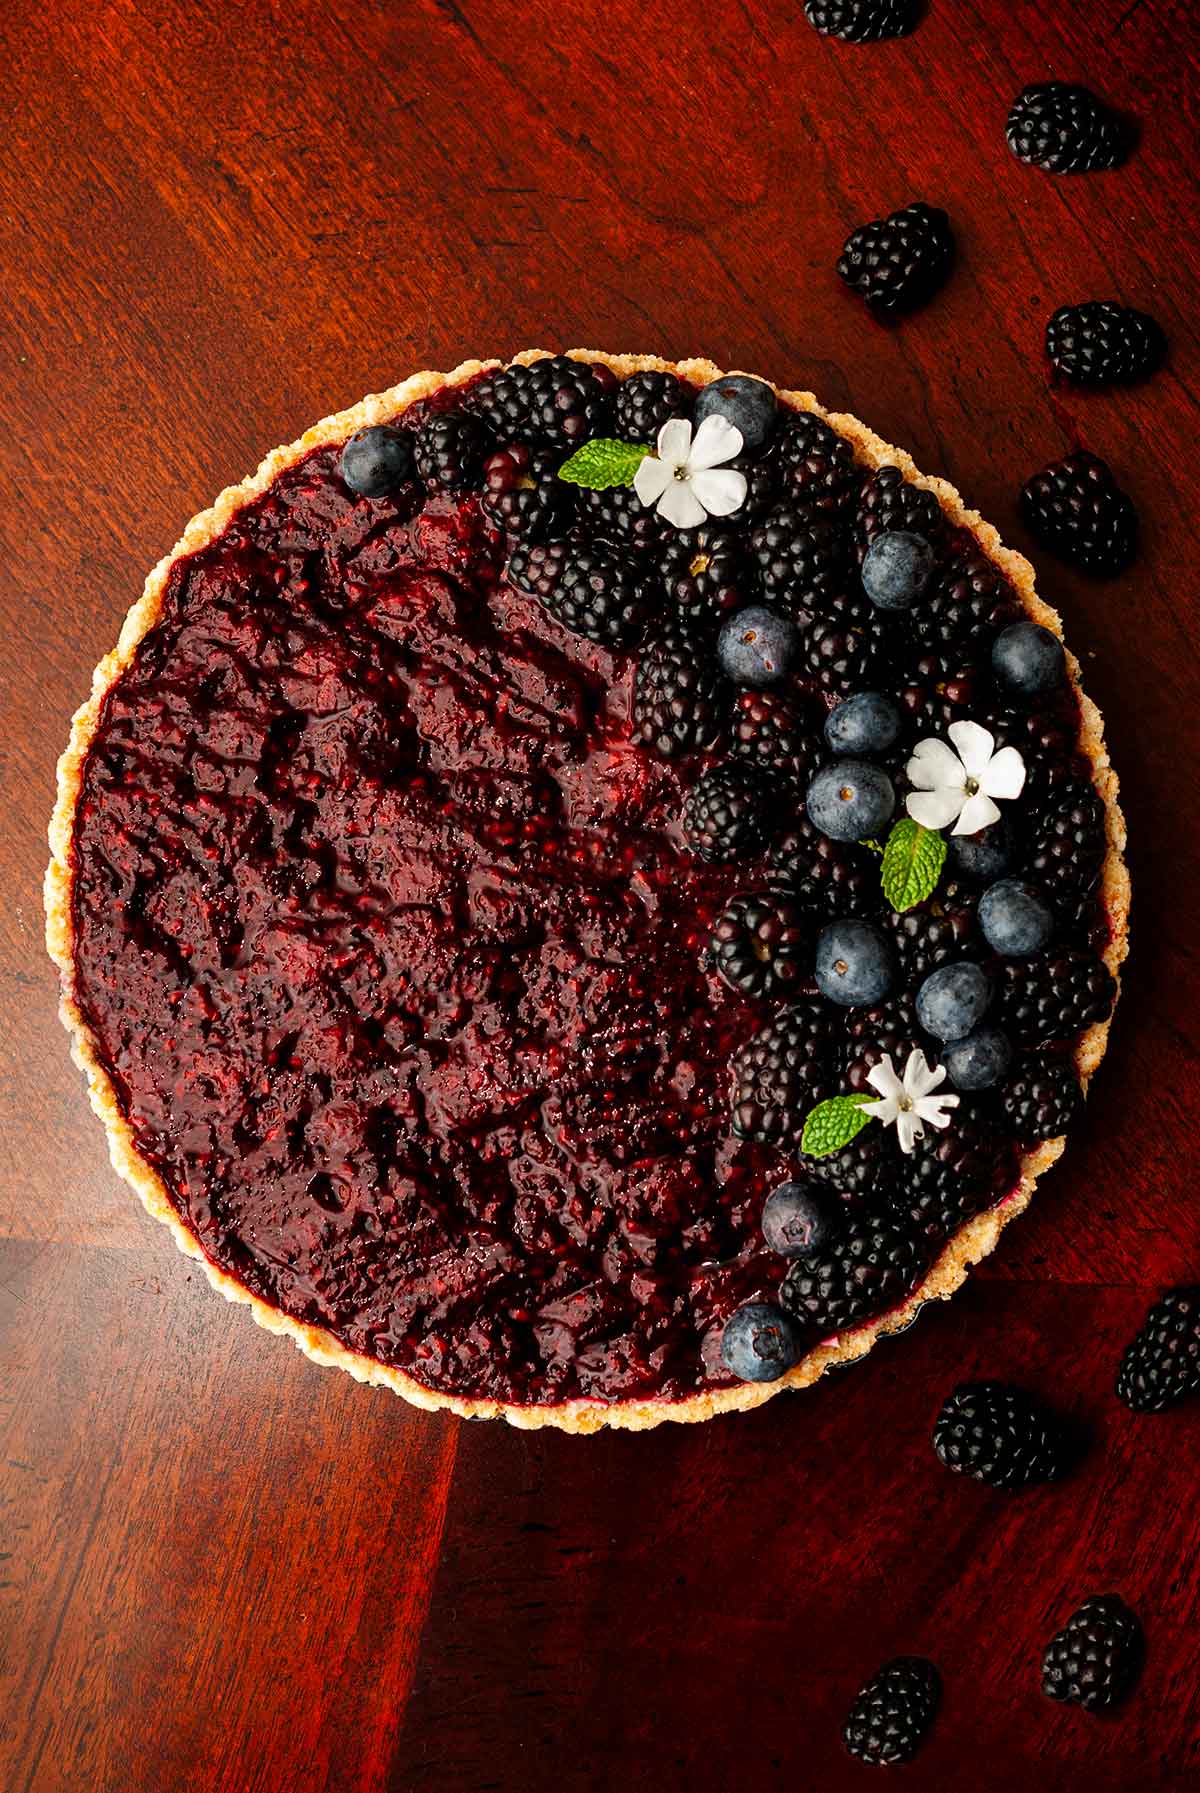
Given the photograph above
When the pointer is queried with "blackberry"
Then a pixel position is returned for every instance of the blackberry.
(889, 1031)
(646, 401)
(966, 603)
(1162, 1364)
(704, 571)
(728, 814)
(889, 502)
(1094, 1660)
(1042, 1099)
(1063, 129)
(1103, 343)
(954, 1174)
(679, 697)
(942, 691)
(522, 493)
(764, 487)
(1067, 839)
(1054, 998)
(555, 400)
(862, 21)
(799, 557)
(825, 876)
(898, 262)
(872, 1264)
(592, 591)
(448, 449)
(761, 945)
(941, 929)
(1045, 740)
(767, 732)
(998, 1434)
(619, 517)
(864, 1170)
(846, 645)
(1076, 509)
(781, 1072)
(821, 471)
(890, 1719)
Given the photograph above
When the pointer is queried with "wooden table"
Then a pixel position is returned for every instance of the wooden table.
(225, 1569)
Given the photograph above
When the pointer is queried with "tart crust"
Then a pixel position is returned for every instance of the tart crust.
(970, 1244)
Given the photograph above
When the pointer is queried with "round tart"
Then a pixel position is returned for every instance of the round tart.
(463, 914)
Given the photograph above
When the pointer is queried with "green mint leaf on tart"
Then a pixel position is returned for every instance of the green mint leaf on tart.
(833, 1124)
(912, 864)
(603, 463)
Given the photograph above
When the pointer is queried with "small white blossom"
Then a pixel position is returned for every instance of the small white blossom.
(961, 786)
(685, 479)
(907, 1103)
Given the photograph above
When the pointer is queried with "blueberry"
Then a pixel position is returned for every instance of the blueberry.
(759, 1343)
(1015, 918)
(979, 1060)
(983, 856)
(1028, 659)
(850, 800)
(868, 722)
(896, 569)
(856, 964)
(756, 647)
(800, 1219)
(953, 1001)
(747, 403)
(376, 461)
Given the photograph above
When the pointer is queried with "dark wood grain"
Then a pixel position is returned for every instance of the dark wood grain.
(221, 1568)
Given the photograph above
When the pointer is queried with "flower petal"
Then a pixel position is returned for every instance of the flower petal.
(934, 809)
(679, 505)
(908, 1129)
(716, 440)
(885, 1110)
(883, 1078)
(651, 479)
(719, 489)
(933, 765)
(675, 441)
(977, 812)
(920, 1076)
(933, 1109)
(1004, 774)
(974, 744)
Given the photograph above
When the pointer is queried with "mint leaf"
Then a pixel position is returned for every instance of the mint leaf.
(833, 1124)
(602, 463)
(912, 864)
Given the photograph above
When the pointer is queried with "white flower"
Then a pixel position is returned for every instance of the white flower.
(685, 478)
(908, 1104)
(960, 787)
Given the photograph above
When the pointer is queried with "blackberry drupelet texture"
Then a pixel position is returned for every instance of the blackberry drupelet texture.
(1063, 129)
(1094, 1660)
(1103, 343)
(680, 701)
(1076, 509)
(891, 1717)
(1161, 1366)
(594, 591)
(769, 731)
(706, 571)
(998, 1434)
(761, 945)
(449, 449)
(820, 470)
(898, 262)
(890, 502)
(862, 21)
(800, 558)
(872, 1264)
(781, 1072)
(1055, 997)
(730, 813)
(646, 401)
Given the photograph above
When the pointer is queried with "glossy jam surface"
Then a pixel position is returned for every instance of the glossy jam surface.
(390, 947)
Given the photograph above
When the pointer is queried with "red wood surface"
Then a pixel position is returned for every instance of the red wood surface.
(222, 1568)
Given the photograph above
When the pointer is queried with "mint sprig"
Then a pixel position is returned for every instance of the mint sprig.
(833, 1124)
(603, 463)
(912, 864)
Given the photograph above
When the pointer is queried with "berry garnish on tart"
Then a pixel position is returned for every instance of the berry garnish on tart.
(589, 889)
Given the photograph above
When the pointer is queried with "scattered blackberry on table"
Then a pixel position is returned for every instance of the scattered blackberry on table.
(872, 1264)
(929, 936)
(891, 1717)
(1094, 1660)
(448, 449)
(1067, 841)
(1042, 1099)
(998, 1434)
(759, 1343)
(1161, 1365)
(523, 494)
(729, 813)
(781, 1072)
(862, 21)
(768, 732)
(756, 647)
(898, 262)
(617, 515)
(646, 401)
(889, 502)
(705, 572)
(750, 405)
(555, 400)
(800, 1219)
(955, 1174)
(1103, 343)
(825, 876)
(1054, 998)
(680, 701)
(377, 461)
(1076, 509)
(820, 470)
(592, 591)
(967, 601)
(761, 944)
(1063, 129)
(799, 557)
